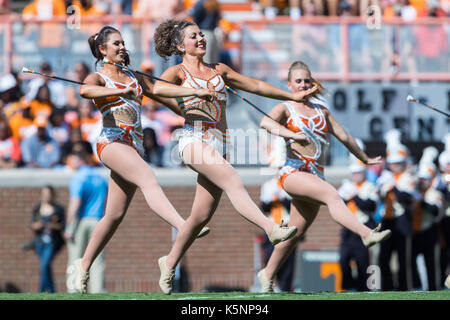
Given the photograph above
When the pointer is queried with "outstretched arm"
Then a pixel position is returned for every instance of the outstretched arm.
(348, 141)
(239, 81)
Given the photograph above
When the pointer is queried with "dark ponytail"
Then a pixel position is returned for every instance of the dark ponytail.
(100, 38)
(168, 35)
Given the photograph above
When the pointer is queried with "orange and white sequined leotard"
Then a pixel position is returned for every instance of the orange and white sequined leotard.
(121, 116)
(204, 120)
(316, 130)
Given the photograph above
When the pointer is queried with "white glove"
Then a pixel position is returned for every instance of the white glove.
(386, 182)
(347, 190)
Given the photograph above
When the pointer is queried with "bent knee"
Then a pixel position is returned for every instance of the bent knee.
(234, 183)
(203, 216)
(147, 180)
(332, 198)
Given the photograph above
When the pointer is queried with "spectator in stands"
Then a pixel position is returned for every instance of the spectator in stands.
(89, 117)
(420, 6)
(345, 8)
(273, 8)
(364, 6)
(44, 9)
(57, 88)
(74, 144)
(80, 72)
(158, 11)
(9, 147)
(58, 129)
(309, 9)
(445, 6)
(10, 95)
(88, 8)
(47, 223)
(40, 150)
(150, 119)
(42, 105)
(22, 123)
(152, 150)
(122, 7)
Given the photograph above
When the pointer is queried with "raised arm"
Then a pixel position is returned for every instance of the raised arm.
(348, 141)
(239, 81)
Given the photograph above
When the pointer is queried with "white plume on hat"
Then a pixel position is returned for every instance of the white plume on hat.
(7, 82)
(427, 168)
(357, 165)
(395, 150)
(392, 138)
(444, 158)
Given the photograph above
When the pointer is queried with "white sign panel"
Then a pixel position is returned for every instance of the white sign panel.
(368, 110)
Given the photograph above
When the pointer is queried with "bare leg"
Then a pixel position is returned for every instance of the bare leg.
(302, 185)
(120, 193)
(207, 197)
(209, 163)
(126, 162)
(302, 215)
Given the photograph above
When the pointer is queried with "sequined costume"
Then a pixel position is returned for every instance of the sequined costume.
(121, 116)
(316, 129)
(204, 120)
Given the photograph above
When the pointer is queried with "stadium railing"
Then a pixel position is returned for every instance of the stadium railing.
(336, 48)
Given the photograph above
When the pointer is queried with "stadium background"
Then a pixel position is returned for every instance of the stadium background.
(368, 71)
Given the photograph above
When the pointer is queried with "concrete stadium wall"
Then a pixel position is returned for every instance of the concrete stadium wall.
(223, 258)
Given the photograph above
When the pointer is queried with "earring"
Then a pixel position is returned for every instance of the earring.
(182, 50)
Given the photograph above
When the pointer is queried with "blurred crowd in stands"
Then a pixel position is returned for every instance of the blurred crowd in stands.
(42, 124)
(407, 9)
(160, 10)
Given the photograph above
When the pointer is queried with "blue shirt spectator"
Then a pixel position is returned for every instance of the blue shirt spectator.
(89, 186)
(40, 150)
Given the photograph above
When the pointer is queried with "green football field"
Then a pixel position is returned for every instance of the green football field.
(410, 295)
